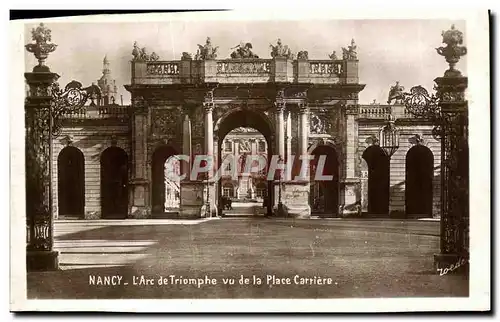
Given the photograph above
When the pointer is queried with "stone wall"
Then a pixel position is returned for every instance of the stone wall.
(398, 162)
(91, 141)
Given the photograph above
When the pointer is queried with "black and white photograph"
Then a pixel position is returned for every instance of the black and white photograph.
(234, 155)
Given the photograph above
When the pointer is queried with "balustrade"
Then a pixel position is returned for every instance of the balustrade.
(256, 70)
(326, 68)
(374, 112)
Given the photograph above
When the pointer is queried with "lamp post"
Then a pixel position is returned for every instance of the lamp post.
(389, 138)
(44, 106)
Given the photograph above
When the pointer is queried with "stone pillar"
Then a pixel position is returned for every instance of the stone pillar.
(350, 184)
(454, 246)
(139, 205)
(38, 108)
(296, 196)
(191, 191)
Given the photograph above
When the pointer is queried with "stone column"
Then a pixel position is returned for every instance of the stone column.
(350, 184)
(208, 106)
(288, 136)
(38, 121)
(280, 128)
(209, 128)
(139, 205)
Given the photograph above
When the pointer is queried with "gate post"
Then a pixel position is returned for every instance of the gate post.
(38, 122)
(454, 245)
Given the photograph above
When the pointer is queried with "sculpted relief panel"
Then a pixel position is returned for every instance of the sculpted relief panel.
(166, 122)
(323, 121)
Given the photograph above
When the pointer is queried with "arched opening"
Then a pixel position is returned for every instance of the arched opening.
(114, 183)
(245, 134)
(324, 193)
(71, 183)
(419, 175)
(165, 186)
(378, 180)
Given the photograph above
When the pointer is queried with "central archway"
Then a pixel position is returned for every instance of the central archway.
(247, 118)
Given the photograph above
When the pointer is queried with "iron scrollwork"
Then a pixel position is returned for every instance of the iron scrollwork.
(71, 100)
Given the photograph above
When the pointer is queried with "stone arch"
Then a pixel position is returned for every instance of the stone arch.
(254, 122)
(245, 117)
(160, 183)
(378, 179)
(114, 183)
(418, 179)
(325, 194)
(327, 142)
(71, 182)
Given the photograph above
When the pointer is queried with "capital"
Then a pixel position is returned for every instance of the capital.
(280, 106)
(208, 106)
(303, 108)
(352, 109)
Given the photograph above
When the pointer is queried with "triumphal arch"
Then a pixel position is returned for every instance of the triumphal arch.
(301, 105)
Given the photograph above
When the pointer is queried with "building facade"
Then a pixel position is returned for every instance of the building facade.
(113, 160)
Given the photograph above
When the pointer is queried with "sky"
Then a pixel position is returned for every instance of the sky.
(388, 50)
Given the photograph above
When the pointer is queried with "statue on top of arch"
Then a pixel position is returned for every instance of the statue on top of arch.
(350, 53)
(280, 51)
(207, 51)
(141, 54)
(243, 50)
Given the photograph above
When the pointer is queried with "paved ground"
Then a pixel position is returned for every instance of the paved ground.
(363, 258)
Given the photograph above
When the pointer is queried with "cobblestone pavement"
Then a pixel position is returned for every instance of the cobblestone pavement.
(362, 258)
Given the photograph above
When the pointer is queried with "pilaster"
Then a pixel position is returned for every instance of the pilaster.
(39, 120)
(139, 205)
(350, 184)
